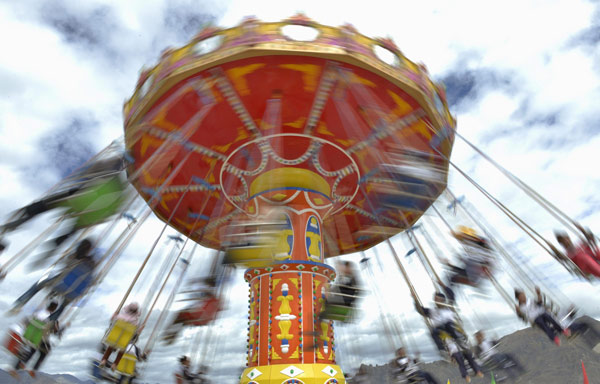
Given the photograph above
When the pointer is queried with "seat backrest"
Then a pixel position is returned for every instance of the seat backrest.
(97, 203)
(97, 372)
(120, 334)
(204, 314)
(14, 343)
(127, 364)
(178, 379)
(34, 332)
(339, 312)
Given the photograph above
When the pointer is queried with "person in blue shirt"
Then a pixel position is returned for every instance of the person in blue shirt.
(70, 282)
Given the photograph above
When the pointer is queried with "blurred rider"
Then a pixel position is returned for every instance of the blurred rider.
(585, 255)
(443, 319)
(477, 258)
(408, 368)
(535, 313)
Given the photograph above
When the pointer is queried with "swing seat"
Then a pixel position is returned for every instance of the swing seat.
(120, 335)
(337, 312)
(127, 364)
(97, 203)
(417, 179)
(96, 370)
(401, 200)
(102, 373)
(34, 332)
(14, 343)
(178, 379)
(200, 315)
(251, 256)
(257, 244)
(458, 279)
(75, 283)
(462, 343)
(459, 276)
(415, 164)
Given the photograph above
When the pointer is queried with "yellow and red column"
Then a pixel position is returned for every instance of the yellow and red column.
(287, 344)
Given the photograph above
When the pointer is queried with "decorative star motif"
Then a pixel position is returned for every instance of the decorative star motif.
(292, 371)
(329, 371)
(253, 374)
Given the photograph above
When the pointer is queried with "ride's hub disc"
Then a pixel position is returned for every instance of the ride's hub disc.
(210, 119)
(271, 168)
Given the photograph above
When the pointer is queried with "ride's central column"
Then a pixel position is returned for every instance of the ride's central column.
(287, 342)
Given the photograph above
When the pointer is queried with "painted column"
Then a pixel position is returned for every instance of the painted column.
(286, 342)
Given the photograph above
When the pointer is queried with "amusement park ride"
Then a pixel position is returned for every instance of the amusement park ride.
(266, 121)
(303, 141)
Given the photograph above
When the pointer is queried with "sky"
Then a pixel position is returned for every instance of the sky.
(522, 77)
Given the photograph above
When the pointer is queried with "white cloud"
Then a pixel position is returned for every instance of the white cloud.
(542, 125)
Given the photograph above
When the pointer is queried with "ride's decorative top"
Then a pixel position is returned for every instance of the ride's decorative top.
(269, 111)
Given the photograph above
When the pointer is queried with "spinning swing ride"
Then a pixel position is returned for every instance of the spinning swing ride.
(270, 122)
(284, 144)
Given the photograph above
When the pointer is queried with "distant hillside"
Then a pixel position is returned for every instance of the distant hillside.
(42, 378)
(545, 362)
